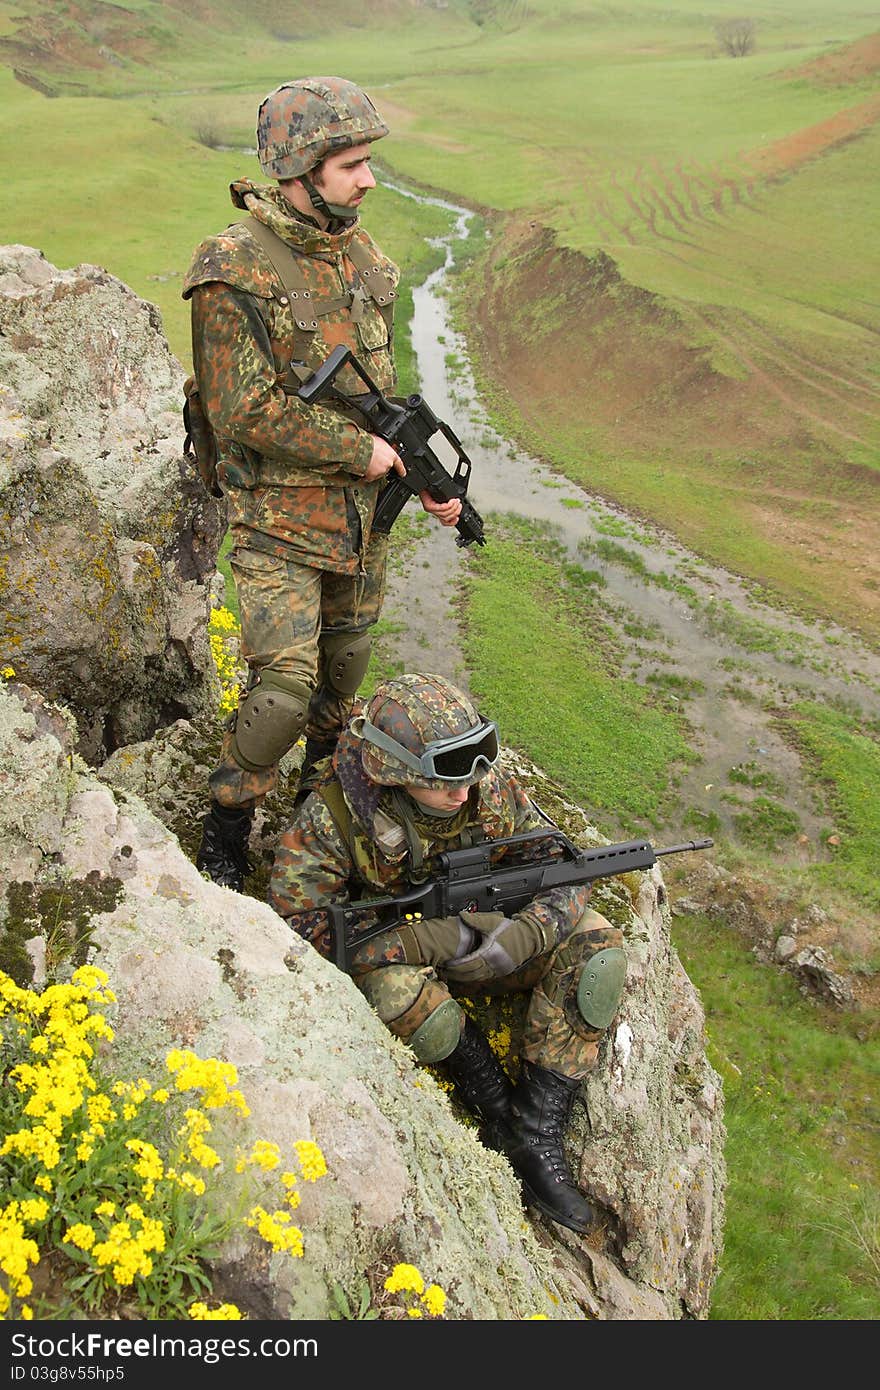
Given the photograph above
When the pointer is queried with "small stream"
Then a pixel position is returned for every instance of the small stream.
(726, 711)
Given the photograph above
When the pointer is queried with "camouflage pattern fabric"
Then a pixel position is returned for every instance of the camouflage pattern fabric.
(555, 1033)
(316, 864)
(285, 606)
(289, 470)
(292, 473)
(391, 990)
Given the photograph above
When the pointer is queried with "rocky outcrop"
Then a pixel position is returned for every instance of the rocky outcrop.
(197, 966)
(783, 931)
(108, 541)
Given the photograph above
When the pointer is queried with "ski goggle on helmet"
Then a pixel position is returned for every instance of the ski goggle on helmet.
(422, 731)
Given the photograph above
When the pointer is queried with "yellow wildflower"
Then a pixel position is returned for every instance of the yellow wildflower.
(17, 1250)
(149, 1164)
(311, 1160)
(405, 1277)
(292, 1196)
(92, 977)
(275, 1231)
(152, 1234)
(80, 1235)
(100, 1110)
(34, 1209)
(209, 1075)
(190, 1182)
(264, 1154)
(434, 1300)
(200, 1312)
(38, 1143)
(126, 1251)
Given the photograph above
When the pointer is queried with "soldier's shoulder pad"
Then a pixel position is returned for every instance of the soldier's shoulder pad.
(233, 257)
(377, 254)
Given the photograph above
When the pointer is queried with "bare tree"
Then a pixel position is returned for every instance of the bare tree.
(736, 36)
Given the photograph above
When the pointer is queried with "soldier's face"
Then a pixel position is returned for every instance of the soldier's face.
(346, 177)
(440, 799)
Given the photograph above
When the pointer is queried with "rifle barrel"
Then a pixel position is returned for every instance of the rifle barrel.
(682, 849)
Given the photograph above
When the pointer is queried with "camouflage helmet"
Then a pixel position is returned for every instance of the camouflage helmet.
(301, 122)
(422, 731)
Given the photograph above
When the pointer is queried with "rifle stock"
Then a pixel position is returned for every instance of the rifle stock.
(469, 881)
(408, 427)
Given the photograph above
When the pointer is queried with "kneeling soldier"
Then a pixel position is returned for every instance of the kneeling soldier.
(414, 775)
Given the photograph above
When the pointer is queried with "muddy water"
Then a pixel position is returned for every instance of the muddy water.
(727, 714)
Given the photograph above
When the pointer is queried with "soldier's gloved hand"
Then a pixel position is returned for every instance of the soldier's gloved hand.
(507, 943)
(435, 940)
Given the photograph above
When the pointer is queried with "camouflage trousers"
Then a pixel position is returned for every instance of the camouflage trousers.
(285, 608)
(405, 991)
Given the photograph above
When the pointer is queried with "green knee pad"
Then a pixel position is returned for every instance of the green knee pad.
(439, 1034)
(346, 656)
(393, 989)
(269, 720)
(601, 985)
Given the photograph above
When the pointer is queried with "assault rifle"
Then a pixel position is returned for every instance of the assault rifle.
(469, 881)
(407, 427)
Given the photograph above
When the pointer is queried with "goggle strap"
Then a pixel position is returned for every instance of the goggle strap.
(368, 731)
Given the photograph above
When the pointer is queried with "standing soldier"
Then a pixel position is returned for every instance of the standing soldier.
(271, 296)
(414, 776)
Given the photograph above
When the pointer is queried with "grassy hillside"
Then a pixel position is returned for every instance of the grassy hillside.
(759, 456)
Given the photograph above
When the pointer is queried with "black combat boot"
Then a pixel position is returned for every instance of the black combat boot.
(316, 749)
(532, 1139)
(480, 1080)
(222, 855)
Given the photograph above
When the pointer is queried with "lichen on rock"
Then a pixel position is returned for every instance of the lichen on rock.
(108, 541)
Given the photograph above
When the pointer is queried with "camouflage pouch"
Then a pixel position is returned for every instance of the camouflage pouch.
(199, 444)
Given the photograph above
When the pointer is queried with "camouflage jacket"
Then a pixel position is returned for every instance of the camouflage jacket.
(290, 471)
(316, 863)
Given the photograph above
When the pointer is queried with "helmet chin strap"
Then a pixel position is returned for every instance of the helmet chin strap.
(335, 212)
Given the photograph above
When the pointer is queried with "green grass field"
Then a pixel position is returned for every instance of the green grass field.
(803, 1215)
(552, 680)
(741, 197)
